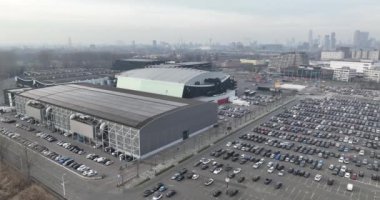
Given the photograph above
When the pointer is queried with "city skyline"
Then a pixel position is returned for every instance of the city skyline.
(100, 21)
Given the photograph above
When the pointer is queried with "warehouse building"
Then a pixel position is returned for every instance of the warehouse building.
(192, 65)
(202, 85)
(131, 122)
(134, 63)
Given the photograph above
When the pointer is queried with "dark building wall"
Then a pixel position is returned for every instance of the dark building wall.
(217, 88)
(169, 128)
(128, 65)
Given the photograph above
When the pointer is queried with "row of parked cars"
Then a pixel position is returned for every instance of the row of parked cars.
(233, 111)
(46, 136)
(99, 159)
(71, 147)
(350, 91)
(158, 191)
(63, 160)
(118, 154)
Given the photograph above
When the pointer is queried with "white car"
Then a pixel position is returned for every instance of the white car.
(237, 170)
(331, 166)
(256, 165)
(217, 170)
(195, 176)
(157, 196)
(90, 155)
(228, 144)
(100, 159)
(341, 159)
(271, 169)
(209, 181)
(110, 162)
(205, 161)
(270, 164)
(361, 152)
(318, 177)
(347, 175)
(343, 168)
(280, 173)
(350, 186)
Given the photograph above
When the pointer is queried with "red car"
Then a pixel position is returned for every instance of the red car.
(354, 176)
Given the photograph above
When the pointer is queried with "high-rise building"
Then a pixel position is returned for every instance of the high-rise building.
(333, 41)
(327, 43)
(361, 39)
(154, 43)
(292, 59)
(311, 41)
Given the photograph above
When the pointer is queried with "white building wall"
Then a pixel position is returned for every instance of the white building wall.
(358, 66)
(332, 55)
(151, 86)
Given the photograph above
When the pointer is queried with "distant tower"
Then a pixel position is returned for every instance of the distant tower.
(333, 41)
(69, 42)
(327, 43)
(154, 43)
(133, 44)
(311, 40)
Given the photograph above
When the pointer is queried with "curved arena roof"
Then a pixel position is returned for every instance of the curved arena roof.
(174, 75)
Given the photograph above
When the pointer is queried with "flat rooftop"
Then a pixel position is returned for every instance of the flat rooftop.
(131, 108)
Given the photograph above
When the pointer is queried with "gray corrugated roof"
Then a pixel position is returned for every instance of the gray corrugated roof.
(122, 106)
(176, 75)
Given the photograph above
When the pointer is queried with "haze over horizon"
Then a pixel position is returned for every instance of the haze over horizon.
(101, 21)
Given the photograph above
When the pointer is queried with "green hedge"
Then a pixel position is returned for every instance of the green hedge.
(144, 181)
(204, 148)
(164, 170)
(185, 158)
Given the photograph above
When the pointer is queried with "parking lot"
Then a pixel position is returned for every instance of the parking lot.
(311, 150)
(79, 159)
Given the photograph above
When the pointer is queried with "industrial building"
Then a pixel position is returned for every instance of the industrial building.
(372, 74)
(344, 74)
(192, 65)
(292, 59)
(358, 66)
(180, 82)
(332, 55)
(134, 123)
(45, 78)
(134, 63)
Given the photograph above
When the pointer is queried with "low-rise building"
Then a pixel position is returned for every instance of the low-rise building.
(358, 66)
(372, 74)
(344, 74)
(332, 55)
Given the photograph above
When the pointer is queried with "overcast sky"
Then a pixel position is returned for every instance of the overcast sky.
(107, 21)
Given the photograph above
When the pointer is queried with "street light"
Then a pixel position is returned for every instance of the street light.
(63, 186)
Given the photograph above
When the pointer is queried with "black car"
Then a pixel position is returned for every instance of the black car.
(330, 181)
(189, 175)
(204, 167)
(197, 164)
(232, 192)
(147, 193)
(183, 171)
(171, 193)
(278, 185)
(241, 179)
(255, 178)
(216, 193)
(267, 181)
(180, 178)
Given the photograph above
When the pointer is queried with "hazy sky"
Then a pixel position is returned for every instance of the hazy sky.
(107, 21)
